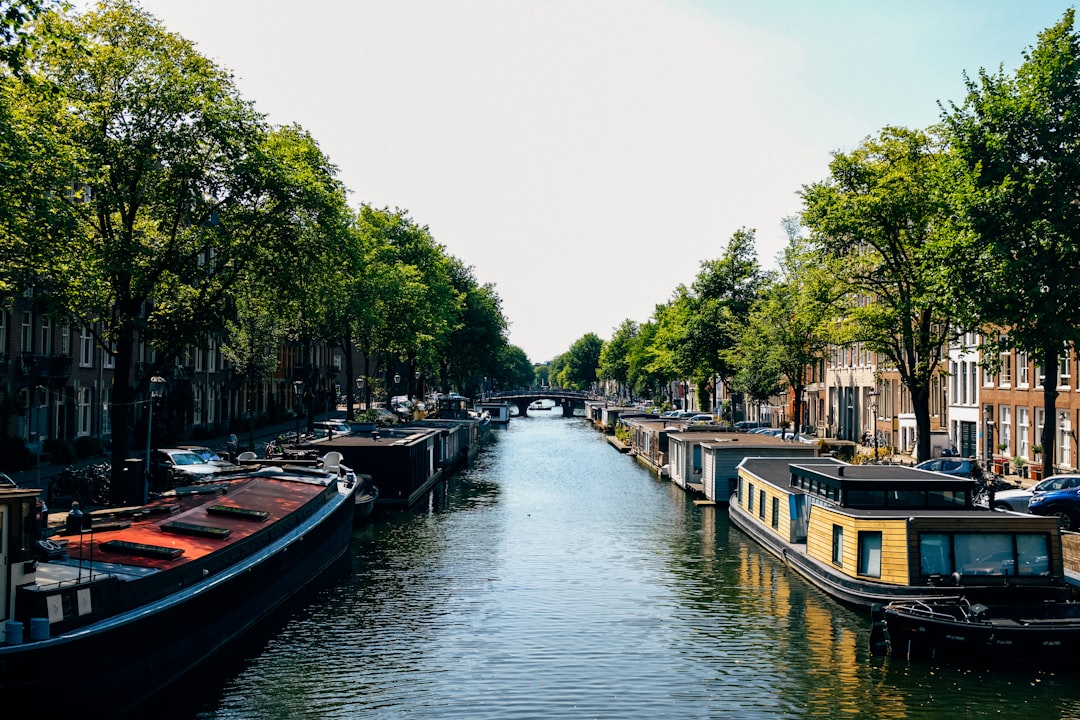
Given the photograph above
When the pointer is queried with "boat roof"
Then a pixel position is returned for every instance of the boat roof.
(790, 474)
(186, 524)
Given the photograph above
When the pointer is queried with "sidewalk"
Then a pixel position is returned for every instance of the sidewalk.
(39, 477)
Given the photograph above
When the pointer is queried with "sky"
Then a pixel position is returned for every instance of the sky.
(586, 156)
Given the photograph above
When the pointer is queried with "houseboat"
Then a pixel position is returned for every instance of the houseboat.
(404, 461)
(869, 534)
(498, 412)
(120, 605)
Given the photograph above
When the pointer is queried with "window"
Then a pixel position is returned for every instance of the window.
(1022, 441)
(26, 339)
(870, 554)
(106, 421)
(197, 393)
(1000, 554)
(1005, 376)
(1005, 423)
(65, 339)
(108, 359)
(776, 513)
(1064, 377)
(750, 499)
(3, 333)
(46, 336)
(1021, 369)
(211, 355)
(838, 545)
(82, 411)
(86, 348)
(761, 504)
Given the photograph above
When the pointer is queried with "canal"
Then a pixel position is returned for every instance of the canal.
(558, 579)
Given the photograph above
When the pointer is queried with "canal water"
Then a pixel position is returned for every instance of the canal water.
(558, 579)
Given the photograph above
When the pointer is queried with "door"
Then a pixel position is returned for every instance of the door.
(967, 439)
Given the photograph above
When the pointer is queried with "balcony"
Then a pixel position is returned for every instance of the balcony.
(46, 368)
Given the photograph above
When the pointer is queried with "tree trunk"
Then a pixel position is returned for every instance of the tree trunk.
(920, 402)
(1050, 393)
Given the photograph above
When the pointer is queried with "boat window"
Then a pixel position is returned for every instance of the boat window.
(761, 504)
(741, 490)
(750, 498)
(984, 553)
(998, 554)
(945, 498)
(838, 545)
(935, 553)
(907, 499)
(1033, 555)
(864, 498)
(776, 512)
(870, 554)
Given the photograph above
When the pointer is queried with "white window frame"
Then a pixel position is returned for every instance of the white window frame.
(86, 348)
(83, 405)
(26, 337)
(1023, 447)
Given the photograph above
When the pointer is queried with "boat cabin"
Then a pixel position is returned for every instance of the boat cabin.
(895, 525)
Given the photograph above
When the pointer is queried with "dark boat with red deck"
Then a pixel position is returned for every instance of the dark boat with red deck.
(140, 596)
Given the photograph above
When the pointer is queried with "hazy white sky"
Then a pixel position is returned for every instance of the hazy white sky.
(586, 156)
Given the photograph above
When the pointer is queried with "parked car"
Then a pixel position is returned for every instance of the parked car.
(1017, 500)
(702, 419)
(328, 428)
(208, 455)
(958, 467)
(745, 425)
(170, 467)
(1064, 504)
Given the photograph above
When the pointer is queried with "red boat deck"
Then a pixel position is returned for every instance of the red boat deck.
(195, 531)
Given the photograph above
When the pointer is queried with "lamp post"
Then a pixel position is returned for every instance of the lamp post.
(298, 388)
(873, 394)
(360, 387)
(157, 389)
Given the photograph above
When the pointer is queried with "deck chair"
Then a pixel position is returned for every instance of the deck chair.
(331, 460)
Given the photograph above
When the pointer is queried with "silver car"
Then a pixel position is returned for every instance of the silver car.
(1017, 500)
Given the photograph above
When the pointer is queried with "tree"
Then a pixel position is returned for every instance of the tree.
(789, 325)
(577, 366)
(1017, 145)
(615, 354)
(174, 198)
(879, 216)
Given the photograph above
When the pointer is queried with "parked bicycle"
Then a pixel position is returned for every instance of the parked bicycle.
(90, 485)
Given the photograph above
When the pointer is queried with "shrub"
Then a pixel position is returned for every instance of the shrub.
(14, 455)
(61, 451)
(87, 446)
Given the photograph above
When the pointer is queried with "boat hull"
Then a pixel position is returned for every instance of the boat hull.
(128, 658)
(1048, 632)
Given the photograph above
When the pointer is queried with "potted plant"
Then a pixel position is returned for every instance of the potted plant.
(1001, 462)
(1036, 467)
(1018, 463)
(366, 420)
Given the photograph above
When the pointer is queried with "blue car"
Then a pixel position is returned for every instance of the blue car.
(1063, 504)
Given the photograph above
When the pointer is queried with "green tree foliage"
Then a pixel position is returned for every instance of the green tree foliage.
(1017, 144)
(174, 193)
(877, 217)
(615, 354)
(790, 324)
(576, 368)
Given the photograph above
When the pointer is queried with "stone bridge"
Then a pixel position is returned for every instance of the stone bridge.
(568, 400)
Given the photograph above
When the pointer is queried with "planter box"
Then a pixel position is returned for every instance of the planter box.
(1036, 472)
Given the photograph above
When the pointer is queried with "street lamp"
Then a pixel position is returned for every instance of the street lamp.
(873, 394)
(988, 416)
(360, 387)
(157, 389)
(298, 388)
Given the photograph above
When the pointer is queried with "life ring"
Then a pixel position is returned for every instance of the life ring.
(50, 546)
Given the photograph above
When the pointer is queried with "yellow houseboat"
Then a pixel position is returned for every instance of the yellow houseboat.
(870, 534)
